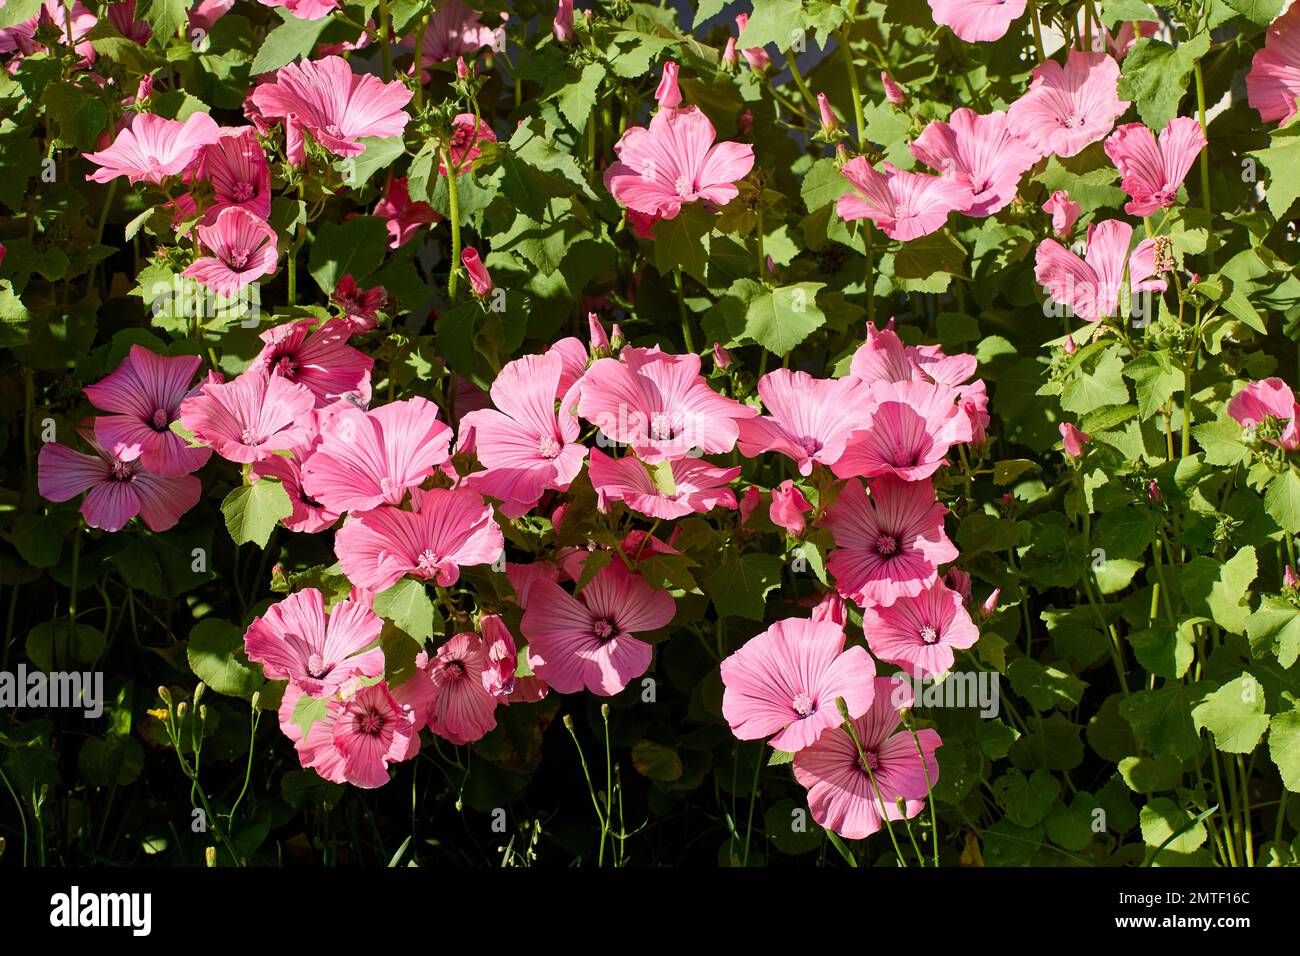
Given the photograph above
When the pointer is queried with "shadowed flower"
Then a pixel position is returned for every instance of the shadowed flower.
(320, 359)
(688, 486)
(454, 30)
(318, 650)
(241, 250)
(810, 421)
(1273, 82)
(461, 710)
(978, 151)
(1073, 439)
(405, 217)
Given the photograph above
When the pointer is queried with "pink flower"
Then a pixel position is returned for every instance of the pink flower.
(978, 151)
(322, 359)
(749, 502)
(479, 280)
(729, 56)
(889, 545)
(1119, 43)
(589, 642)
(1091, 286)
(977, 20)
(318, 650)
(786, 681)
(250, 418)
(525, 444)
(371, 730)
(206, 14)
(1273, 82)
(359, 306)
(811, 418)
(304, 9)
(337, 106)
(895, 95)
(52, 16)
(153, 148)
(903, 205)
(831, 609)
(315, 747)
(454, 30)
(659, 404)
(788, 508)
(1073, 439)
(853, 795)
(122, 16)
(1151, 173)
(910, 427)
(920, 633)
(562, 24)
(145, 394)
(448, 530)
(674, 162)
(1290, 581)
(405, 218)
(466, 135)
(959, 581)
(668, 95)
(694, 487)
(309, 515)
(461, 710)
(1068, 107)
(721, 357)
(1063, 211)
(597, 338)
(119, 490)
(755, 56)
(371, 458)
(239, 173)
(502, 657)
(241, 250)
(829, 122)
(1265, 400)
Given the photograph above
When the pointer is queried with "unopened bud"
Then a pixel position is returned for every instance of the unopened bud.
(604, 711)
(462, 68)
(198, 691)
(894, 93)
(829, 123)
(991, 603)
(1153, 492)
(901, 802)
(842, 707)
(905, 716)
(210, 856)
(165, 694)
(182, 709)
(599, 340)
(1070, 346)
(256, 701)
(721, 357)
(616, 337)
(568, 722)
(1289, 579)
(203, 712)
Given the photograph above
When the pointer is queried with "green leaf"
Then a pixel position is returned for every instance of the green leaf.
(1151, 774)
(681, 242)
(1104, 385)
(380, 153)
(656, 761)
(54, 645)
(1162, 720)
(79, 116)
(408, 606)
(930, 255)
(1259, 12)
(1164, 650)
(740, 585)
(252, 511)
(779, 319)
(355, 247)
(1282, 159)
(1026, 800)
(1234, 714)
(39, 538)
(1284, 747)
(1166, 824)
(1045, 686)
(1155, 76)
(1282, 501)
(216, 656)
(1275, 629)
(771, 22)
(790, 827)
(577, 100)
(1155, 379)
(1219, 589)
(17, 11)
(307, 711)
(291, 39)
(165, 16)
(111, 763)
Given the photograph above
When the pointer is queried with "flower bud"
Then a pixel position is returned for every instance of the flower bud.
(669, 96)
(210, 856)
(462, 68)
(729, 56)
(893, 92)
(198, 691)
(1070, 346)
(1073, 439)
(562, 25)
(599, 340)
(1153, 492)
(721, 357)
(479, 279)
(1289, 579)
(991, 603)
(829, 123)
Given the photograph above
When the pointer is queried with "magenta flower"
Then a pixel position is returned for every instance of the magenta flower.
(1091, 286)
(119, 490)
(318, 650)
(1273, 82)
(895, 95)
(978, 151)
(479, 279)
(1068, 107)
(461, 710)
(152, 148)
(788, 508)
(786, 680)
(811, 418)
(910, 427)
(696, 486)
(977, 20)
(562, 23)
(448, 530)
(309, 515)
(467, 133)
(502, 656)
(889, 545)
(405, 217)
(360, 306)
(371, 730)
(1269, 399)
(316, 750)
(122, 16)
(1073, 439)
(366, 459)
(337, 106)
(239, 173)
(526, 446)
(675, 162)
(241, 250)
(455, 30)
(589, 642)
(1064, 212)
(1151, 172)
(903, 205)
(250, 418)
(841, 793)
(920, 633)
(659, 404)
(144, 393)
(321, 360)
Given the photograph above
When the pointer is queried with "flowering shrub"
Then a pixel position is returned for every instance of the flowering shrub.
(846, 432)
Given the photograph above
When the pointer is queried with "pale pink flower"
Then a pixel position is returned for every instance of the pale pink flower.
(152, 148)
(920, 633)
(889, 545)
(978, 151)
(318, 650)
(205, 15)
(144, 393)
(1068, 107)
(598, 339)
(241, 247)
(788, 508)
(574, 357)
(1151, 172)
(479, 279)
(755, 56)
(321, 359)
(674, 162)
(304, 9)
(239, 173)
(668, 95)
(977, 20)
(589, 642)
(831, 609)
(1273, 82)
(1064, 212)
(366, 459)
(903, 205)
(405, 217)
(1073, 439)
(337, 106)
(448, 530)
(852, 794)
(250, 418)
(119, 490)
(1269, 398)
(659, 404)
(696, 486)
(910, 427)
(1091, 286)
(811, 418)
(729, 56)
(455, 30)
(785, 682)
(883, 357)
(371, 730)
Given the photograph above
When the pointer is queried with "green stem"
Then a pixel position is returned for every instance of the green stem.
(681, 312)
(1205, 153)
(854, 88)
(419, 65)
(453, 201)
(385, 54)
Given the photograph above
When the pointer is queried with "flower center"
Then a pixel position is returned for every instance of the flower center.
(1071, 120)
(684, 186)
(603, 629)
(333, 129)
(121, 471)
(238, 258)
(244, 192)
(160, 420)
(810, 445)
(249, 437)
(316, 666)
(427, 562)
(285, 366)
(803, 704)
(371, 722)
(661, 429)
(929, 635)
(386, 486)
(548, 447)
(869, 759)
(886, 545)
